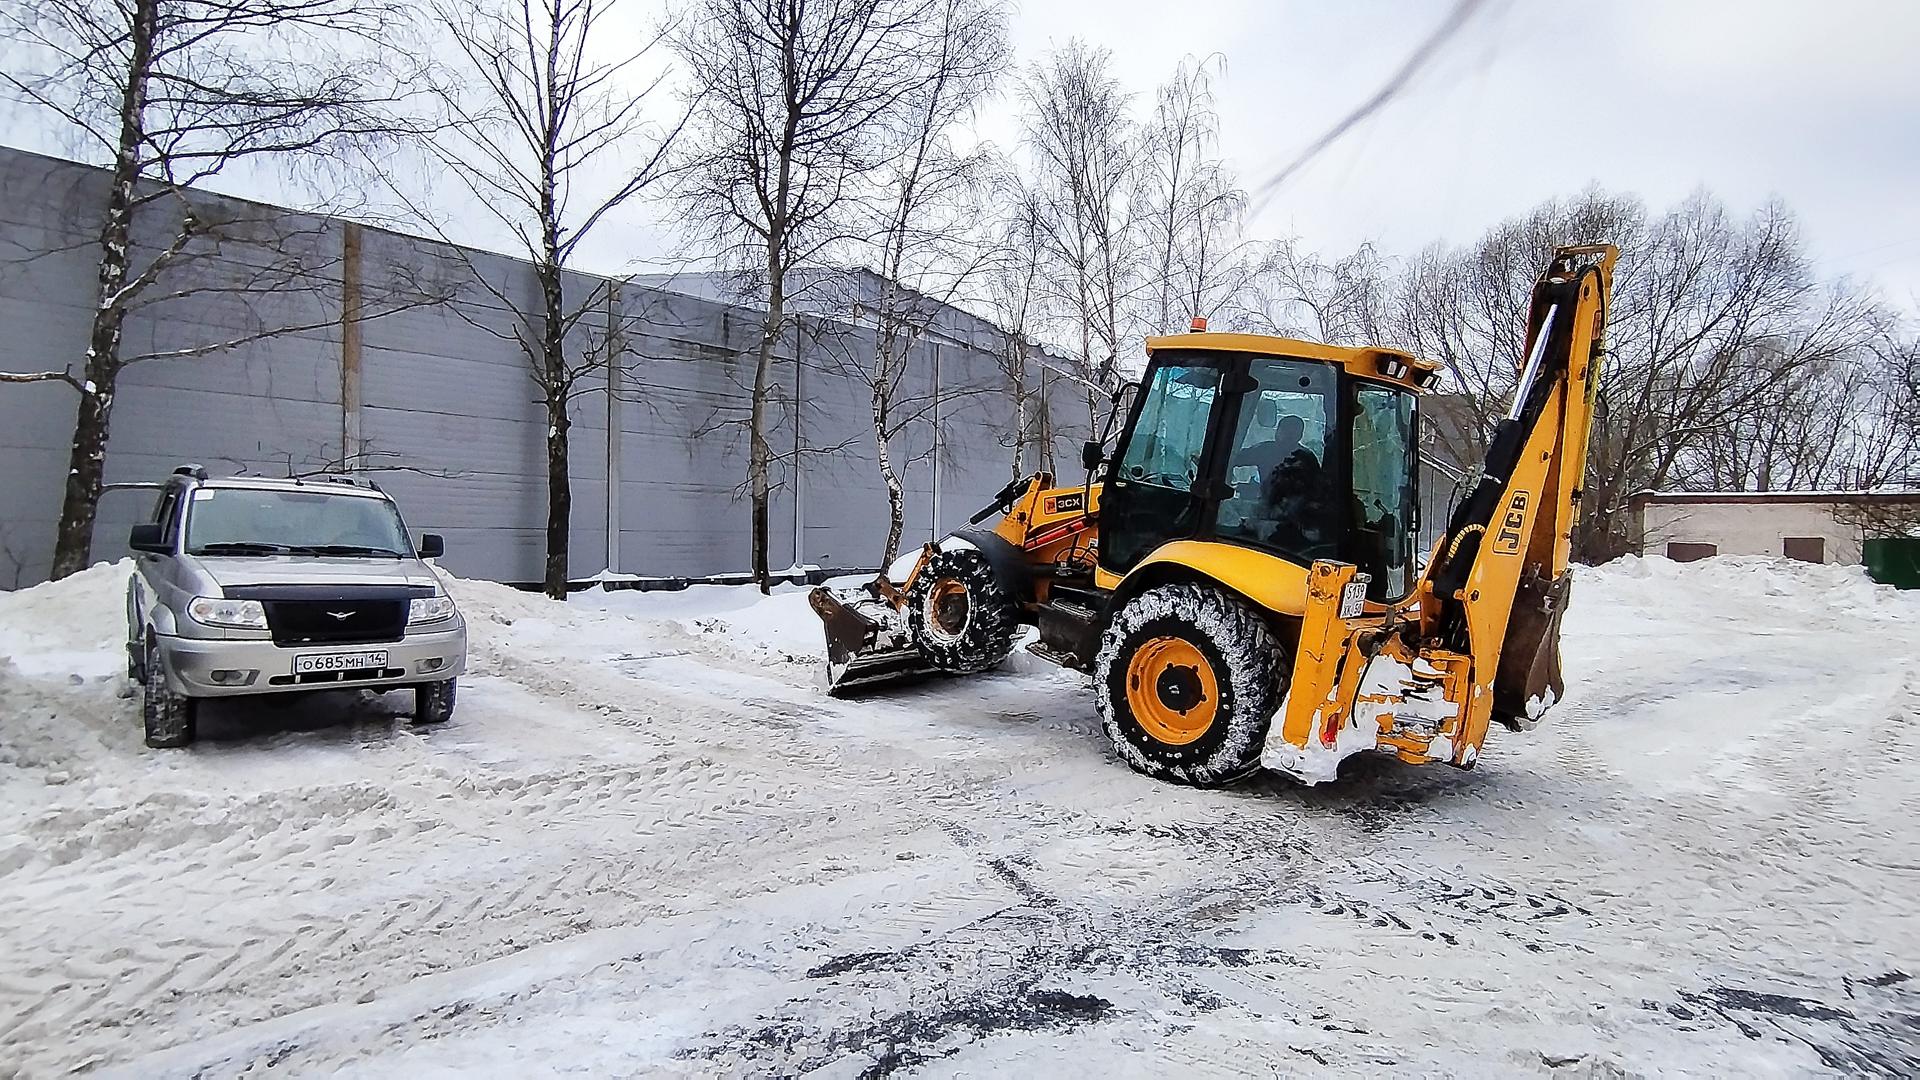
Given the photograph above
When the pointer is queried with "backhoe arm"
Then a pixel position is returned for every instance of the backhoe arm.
(1499, 579)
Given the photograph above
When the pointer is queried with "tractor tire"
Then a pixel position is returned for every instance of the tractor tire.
(433, 702)
(963, 618)
(170, 718)
(1186, 682)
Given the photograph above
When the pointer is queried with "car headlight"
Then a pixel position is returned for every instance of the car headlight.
(429, 609)
(238, 614)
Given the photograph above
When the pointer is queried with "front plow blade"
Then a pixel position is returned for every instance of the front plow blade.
(868, 644)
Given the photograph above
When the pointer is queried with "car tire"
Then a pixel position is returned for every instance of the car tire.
(963, 618)
(433, 702)
(171, 718)
(1186, 684)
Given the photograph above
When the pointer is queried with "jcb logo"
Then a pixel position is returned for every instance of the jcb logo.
(1507, 540)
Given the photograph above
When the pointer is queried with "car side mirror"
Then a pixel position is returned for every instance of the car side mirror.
(1092, 454)
(147, 538)
(432, 545)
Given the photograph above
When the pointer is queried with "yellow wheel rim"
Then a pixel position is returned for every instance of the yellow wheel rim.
(947, 609)
(1171, 690)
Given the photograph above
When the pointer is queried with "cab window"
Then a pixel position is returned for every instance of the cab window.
(1151, 494)
(1383, 489)
(1282, 468)
(1172, 430)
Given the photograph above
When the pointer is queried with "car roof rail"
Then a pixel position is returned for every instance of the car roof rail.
(193, 469)
(350, 480)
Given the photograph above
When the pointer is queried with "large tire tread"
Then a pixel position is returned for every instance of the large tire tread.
(1249, 663)
(993, 614)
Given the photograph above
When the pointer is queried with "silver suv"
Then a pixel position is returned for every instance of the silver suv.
(248, 586)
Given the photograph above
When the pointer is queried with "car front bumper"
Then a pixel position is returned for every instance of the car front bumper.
(261, 667)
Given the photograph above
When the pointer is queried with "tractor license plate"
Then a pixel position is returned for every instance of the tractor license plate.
(340, 661)
(1353, 598)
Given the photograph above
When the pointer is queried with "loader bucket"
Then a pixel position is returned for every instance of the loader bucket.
(1528, 680)
(868, 644)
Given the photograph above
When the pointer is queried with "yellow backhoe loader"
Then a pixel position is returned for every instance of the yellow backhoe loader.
(1243, 584)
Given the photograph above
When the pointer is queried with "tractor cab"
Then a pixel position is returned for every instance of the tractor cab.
(1290, 448)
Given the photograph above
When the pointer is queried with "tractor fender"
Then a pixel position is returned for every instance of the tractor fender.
(1008, 561)
(1269, 582)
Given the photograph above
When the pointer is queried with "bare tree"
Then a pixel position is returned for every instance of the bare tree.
(1188, 207)
(1013, 295)
(794, 103)
(1085, 157)
(1712, 319)
(1295, 293)
(928, 241)
(173, 92)
(551, 137)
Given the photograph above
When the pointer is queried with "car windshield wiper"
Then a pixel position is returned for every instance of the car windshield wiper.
(348, 549)
(242, 547)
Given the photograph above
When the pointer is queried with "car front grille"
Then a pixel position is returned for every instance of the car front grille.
(336, 622)
(333, 615)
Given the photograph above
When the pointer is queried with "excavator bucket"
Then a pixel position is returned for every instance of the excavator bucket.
(868, 643)
(1528, 680)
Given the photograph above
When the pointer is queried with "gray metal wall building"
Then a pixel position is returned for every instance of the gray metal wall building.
(437, 397)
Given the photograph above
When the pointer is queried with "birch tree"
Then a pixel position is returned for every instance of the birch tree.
(172, 93)
(793, 102)
(550, 133)
(1188, 205)
(1014, 296)
(928, 241)
(1296, 293)
(1084, 153)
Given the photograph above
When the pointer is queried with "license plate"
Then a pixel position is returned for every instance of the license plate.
(339, 661)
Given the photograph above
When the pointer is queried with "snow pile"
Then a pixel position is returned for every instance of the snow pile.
(71, 627)
(777, 628)
(1742, 588)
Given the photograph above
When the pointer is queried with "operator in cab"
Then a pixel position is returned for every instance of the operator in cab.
(1288, 480)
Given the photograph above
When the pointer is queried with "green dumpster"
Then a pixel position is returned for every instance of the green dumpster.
(1894, 561)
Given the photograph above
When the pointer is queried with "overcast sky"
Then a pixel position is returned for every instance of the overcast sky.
(1817, 102)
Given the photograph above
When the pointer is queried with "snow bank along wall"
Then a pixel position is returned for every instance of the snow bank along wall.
(436, 397)
(1816, 526)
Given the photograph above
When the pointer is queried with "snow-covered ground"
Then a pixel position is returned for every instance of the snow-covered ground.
(649, 843)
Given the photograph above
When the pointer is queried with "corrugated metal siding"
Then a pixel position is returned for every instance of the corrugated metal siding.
(449, 415)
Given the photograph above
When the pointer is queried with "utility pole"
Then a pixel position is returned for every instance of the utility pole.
(615, 385)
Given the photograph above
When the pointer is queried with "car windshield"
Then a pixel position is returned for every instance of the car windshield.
(257, 521)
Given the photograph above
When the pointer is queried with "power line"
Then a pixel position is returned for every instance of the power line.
(1462, 13)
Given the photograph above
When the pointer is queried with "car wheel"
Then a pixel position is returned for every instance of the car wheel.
(170, 717)
(433, 702)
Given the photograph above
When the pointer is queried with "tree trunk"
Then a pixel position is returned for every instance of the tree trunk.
(759, 454)
(559, 481)
(86, 461)
(896, 495)
(1019, 434)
